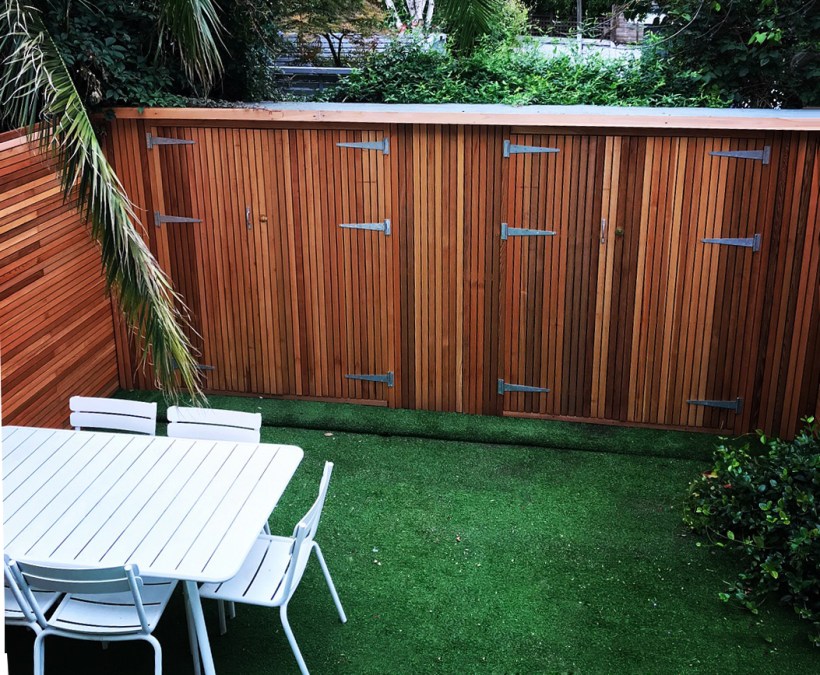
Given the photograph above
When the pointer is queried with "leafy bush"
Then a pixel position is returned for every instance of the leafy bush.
(412, 72)
(110, 55)
(760, 53)
(116, 57)
(761, 503)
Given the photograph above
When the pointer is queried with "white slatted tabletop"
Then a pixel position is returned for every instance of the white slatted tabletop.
(177, 508)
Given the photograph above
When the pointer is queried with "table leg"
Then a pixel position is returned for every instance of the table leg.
(201, 630)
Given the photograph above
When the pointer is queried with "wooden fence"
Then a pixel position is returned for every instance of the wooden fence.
(574, 256)
(56, 328)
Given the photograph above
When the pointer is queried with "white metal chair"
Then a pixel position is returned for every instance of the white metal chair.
(103, 604)
(113, 413)
(17, 609)
(214, 424)
(274, 568)
(211, 424)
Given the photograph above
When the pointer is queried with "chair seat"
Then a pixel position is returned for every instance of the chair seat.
(112, 613)
(15, 616)
(260, 581)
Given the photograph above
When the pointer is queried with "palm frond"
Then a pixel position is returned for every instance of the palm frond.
(467, 20)
(37, 93)
(195, 27)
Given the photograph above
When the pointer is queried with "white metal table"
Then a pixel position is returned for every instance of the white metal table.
(177, 508)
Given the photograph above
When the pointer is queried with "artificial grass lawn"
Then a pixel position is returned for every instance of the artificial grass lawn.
(461, 557)
(459, 427)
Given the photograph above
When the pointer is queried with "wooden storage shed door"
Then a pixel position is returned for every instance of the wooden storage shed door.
(345, 246)
(221, 230)
(553, 188)
(679, 317)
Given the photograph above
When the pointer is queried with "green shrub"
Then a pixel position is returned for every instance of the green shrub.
(517, 74)
(760, 502)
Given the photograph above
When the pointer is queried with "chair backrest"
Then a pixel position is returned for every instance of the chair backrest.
(303, 535)
(20, 605)
(86, 581)
(211, 424)
(314, 514)
(113, 413)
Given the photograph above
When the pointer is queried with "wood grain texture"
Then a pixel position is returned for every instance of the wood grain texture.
(56, 324)
(600, 117)
(625, 314)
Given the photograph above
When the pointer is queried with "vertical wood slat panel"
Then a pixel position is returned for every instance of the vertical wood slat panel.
(625, 331)
(788, 380)
(434, 239)
(56, 321)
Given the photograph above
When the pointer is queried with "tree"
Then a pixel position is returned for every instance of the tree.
(37, 92)
(334, 20)
(254, 27)
(464, 21)
(419, 13)
(761, 53)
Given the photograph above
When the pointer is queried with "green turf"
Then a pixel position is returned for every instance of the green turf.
(460, 427)
(457, 557)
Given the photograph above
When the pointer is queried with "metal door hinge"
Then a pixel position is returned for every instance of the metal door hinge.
(383, 226)
(383, 145)
(507, 231)
(735, 406)
(160, 218)
(386, 378)
(504, 387)
(512, 149)
(197, 366)
(763, 155)
(151, 141)
(747, 242)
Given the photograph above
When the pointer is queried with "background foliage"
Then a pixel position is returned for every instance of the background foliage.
(499, 72)
(251, 43)
(333, 21)
(762, 505)
(113, 53)
(758, 53)
(116, 57)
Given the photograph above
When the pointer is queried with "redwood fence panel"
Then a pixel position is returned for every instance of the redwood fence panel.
(601, 288)
(56, 326)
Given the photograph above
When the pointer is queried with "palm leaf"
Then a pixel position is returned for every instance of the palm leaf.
(37, 92)
(195, 27)
(467, 20)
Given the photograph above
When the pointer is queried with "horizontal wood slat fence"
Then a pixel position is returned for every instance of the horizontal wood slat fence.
(631, 276)
(56, 327)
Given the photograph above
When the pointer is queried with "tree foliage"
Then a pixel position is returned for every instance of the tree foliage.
(116, 56)
(760, 53)
(333, 21)
(566, 9)
(39, 92)
(252, 30)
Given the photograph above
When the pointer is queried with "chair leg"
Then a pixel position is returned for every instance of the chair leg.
(283, 615)
(326, 572)
(157, 653)
(192, 641)
(231, 610)
(39, 654)
(223, 626)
